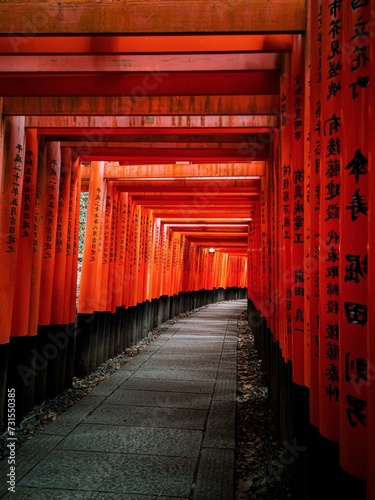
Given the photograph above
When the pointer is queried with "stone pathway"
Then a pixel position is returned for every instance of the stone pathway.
(161, 427)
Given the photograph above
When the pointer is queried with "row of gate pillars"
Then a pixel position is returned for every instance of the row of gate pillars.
(42, 367)
(311, 460)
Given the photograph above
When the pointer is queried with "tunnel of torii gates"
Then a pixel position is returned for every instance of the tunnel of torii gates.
(195, 198)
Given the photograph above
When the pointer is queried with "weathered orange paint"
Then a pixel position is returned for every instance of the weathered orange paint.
(87, 301)
(10, 217)
(51, 192)
(23, 271)
(354, 256)
(59, 289)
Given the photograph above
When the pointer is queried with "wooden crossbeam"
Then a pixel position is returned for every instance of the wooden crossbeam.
(157, 16)
(98, 125)
(157, 64)
(136, 84)
(143, 105)
(144, 44)
(180, 171)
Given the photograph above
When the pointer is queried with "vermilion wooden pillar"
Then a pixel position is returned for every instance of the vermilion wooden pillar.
(106, 241)
(354, 306)
(275, 241)
(285, 209)
(11, 184)
(315, 49)
(297, 286)
(11, 212)
(59, 289)
(23, 270)
(51, 192)
(70, 302)
(371, 276)
(307, 201)
(120, 271)
(38, 232)
(329, 233)
(88, 302)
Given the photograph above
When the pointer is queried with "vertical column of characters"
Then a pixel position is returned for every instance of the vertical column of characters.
(329, 254)
(250, 256)
(370, 485)
(264, 255)
(147, 256)
(207, 268)
(106, 247)
(59, 290)
(196, 255)
(87, 300)
(185, 262)
(70, 302)
(12, 176)
(297, 210)
(307, 201)
(218, 265)
(140, 257)
(286, 116)
(112, 281)
(155, 259)
(137, 254)
(276, 244)
(315, 190)
(163, 255)
(142, 272)
(130, 255)
(100, 283)
(270, 218)
(51, 192)
(353, 239)
(181, 262)
(169, 261)
(177, 263)
(128, 270)
(257, 256)
(23, 271)
(39, 222)
(190, 267)
(117, 270)
(150, 255)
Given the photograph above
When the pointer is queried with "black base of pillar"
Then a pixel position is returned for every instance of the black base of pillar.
(4, 352)
(312, 461)
(82, 356)
(21, 373)
(71, 331)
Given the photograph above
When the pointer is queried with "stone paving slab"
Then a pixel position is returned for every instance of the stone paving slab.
(113, 473)
(81, 409)
(160, 398)
(29, 455)
(106, 387)
(214, 481)
(53, 494)
(220, 432)
(185, 357)
(133, 440)
(176, 374)
(190, 362)
(153, 384)
(144, 416)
